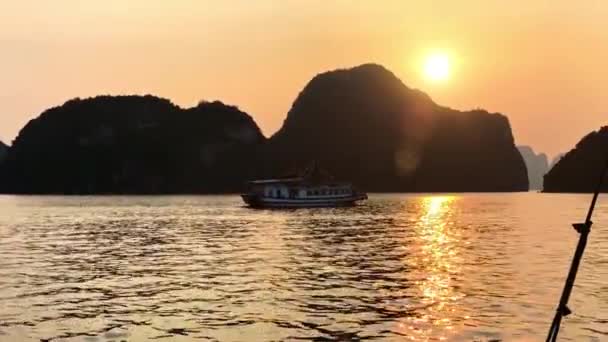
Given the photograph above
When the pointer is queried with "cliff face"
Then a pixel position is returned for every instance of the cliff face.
(132, 144)
(363, 124)
(579, 170)
(537, 165)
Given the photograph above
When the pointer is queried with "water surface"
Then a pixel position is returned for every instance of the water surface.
(465, 267)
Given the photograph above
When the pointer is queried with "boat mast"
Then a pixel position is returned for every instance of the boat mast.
(583, 229)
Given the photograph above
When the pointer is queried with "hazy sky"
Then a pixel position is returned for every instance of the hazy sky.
(542, 63)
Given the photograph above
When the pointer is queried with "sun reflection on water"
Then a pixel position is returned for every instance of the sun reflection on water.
(434, 263)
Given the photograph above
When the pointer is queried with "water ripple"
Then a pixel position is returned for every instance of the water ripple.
(475, 267)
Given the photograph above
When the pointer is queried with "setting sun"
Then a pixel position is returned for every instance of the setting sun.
(437, 67)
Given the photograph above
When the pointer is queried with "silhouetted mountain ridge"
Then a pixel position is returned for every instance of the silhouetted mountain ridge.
(555, 160)
(365, 125)
(132, 144)
(579, 169)
(361, 124)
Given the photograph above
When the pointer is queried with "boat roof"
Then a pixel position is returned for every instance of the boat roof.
(295, 180)
(278, 180)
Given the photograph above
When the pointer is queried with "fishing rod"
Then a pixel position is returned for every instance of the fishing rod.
(583, 229)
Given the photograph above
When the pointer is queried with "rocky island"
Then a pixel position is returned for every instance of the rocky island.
(537, 165)
(132, 144)
(365, 125)
(360, 124)
(579, 169)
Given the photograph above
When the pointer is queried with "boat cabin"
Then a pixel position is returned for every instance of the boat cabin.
(297, 188)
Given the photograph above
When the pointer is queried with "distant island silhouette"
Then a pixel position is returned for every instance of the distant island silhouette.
(579, 169)
(361, 124)
(537, 165)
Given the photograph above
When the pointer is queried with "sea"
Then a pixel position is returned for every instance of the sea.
(399, 267)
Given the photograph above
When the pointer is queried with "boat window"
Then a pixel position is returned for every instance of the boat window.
(308, 192)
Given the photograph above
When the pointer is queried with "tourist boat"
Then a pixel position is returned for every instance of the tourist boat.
(300, 193)
(306, 191)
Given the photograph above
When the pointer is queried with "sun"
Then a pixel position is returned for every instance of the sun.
(437, 67)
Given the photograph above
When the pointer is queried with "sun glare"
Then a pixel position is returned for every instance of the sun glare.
(437, 67)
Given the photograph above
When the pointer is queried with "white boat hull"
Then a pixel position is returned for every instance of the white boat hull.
(339, 201)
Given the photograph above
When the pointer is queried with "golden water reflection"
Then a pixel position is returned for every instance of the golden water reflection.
(434, 263)
(472, 267)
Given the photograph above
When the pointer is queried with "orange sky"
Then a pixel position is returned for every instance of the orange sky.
(542, 63)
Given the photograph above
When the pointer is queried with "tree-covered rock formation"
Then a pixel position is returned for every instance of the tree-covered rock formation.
(579, 169)
(537, 165)
(363, 124)
(132, 144)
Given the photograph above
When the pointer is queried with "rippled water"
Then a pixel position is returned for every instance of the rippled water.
(480, 267)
